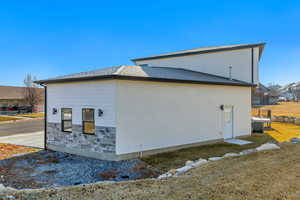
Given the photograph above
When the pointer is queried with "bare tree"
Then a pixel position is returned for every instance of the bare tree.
(32, 96)
(274, 87)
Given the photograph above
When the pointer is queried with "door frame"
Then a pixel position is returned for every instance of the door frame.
(232, 120)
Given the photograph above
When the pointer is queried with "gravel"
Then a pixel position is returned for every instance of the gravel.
(55, 169)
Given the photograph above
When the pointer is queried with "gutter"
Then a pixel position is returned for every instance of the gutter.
(108, 77)
(45, 117)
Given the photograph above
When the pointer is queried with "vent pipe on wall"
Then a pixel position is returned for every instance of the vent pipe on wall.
(230, 72)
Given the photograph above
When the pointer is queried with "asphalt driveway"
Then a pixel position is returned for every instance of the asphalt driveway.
(22, 127)
(25, 132)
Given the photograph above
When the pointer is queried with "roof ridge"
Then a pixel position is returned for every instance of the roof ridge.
(118, 71)
(150, 73)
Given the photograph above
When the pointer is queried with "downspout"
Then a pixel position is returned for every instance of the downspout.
(45, 117)
(252, 75)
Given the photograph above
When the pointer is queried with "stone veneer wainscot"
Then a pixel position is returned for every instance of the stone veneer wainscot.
(103, 141)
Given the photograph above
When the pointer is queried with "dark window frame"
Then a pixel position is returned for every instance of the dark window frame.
(83, 121)
(63, 120)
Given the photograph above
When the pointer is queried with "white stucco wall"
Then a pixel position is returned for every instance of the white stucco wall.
(256, 65)
(215, 63)
(154, 115)
(78, 95)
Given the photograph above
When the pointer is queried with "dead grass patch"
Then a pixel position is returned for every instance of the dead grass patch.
(32, 115)
(8, 118)
(170, 160)
(268, 175)
(289, 109)
(10, 150)
(284, 132)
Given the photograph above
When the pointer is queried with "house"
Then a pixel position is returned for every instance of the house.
(12, 99)
(161, 103)
(262, 95)
(290, 92)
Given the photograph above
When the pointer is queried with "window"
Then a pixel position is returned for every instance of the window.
(66, 119)
(88, 120)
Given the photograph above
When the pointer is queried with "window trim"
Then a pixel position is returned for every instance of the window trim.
(88, 121)
(63, 120)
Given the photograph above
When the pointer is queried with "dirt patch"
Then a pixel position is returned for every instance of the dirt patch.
(145, 170)
(269, 175)
(108, 175)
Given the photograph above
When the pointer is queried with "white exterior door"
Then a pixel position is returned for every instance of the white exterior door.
(228, 122)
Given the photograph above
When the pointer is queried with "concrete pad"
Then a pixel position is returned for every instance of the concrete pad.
(28, 139)
(237, 141)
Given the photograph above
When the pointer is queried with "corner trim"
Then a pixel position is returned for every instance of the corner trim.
(252, 65)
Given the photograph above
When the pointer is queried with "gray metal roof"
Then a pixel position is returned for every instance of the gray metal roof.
(165, 74)
(203, 50)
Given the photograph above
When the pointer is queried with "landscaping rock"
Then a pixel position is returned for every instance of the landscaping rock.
(55, 169)
(189, 163)
(215, 158)
(231, 155)
(183, 169)
(4, 189)
(163, 176)
(267, 146)
(247, 151)
(199, 162)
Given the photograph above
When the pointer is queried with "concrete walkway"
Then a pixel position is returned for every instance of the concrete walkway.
(35, 139)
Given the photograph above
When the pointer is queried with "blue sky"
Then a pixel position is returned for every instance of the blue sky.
(51, 38)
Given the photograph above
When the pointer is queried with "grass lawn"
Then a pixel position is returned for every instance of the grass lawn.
(284, 132)
(8, 118)
(32, 115)
(290, 109)
(9, 150)
(170, 160)
(268, 175)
